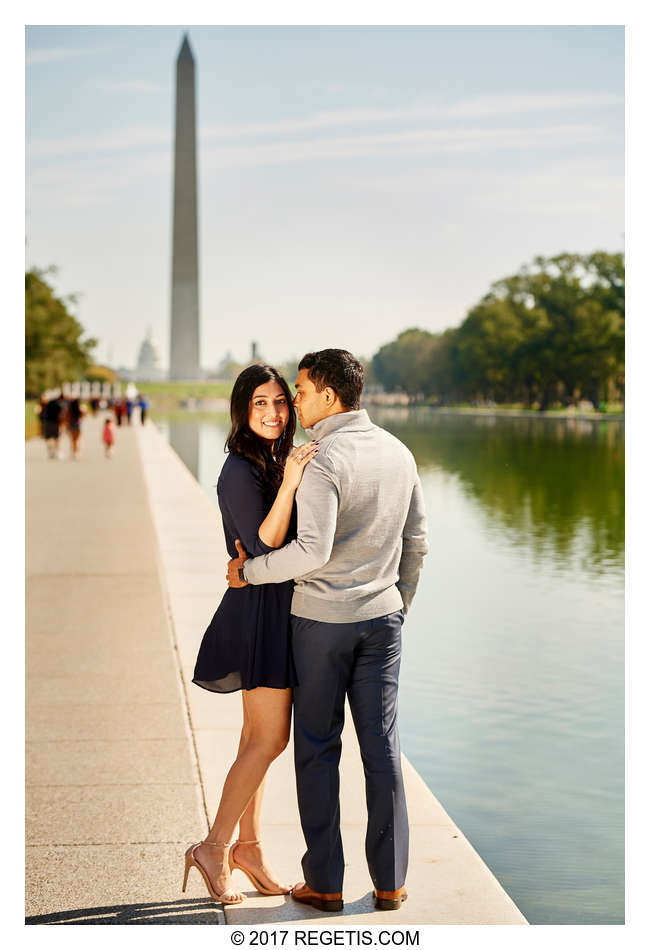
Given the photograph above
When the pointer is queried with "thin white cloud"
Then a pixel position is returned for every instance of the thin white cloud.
(421, 142)
(112, 140)
(85, 184)
(480, 107)
(80, 181)
(139, 137)
(103, 171)
(320, 120)
(518, 104)
(55, 54)
(559, 188)
(125, 85)
(588, 172)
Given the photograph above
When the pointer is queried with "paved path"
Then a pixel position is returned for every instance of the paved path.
(126, 757)
(113, 793)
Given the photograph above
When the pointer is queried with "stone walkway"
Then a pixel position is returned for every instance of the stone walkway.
(113, 790)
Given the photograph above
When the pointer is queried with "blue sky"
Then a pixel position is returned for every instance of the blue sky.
(353, 181)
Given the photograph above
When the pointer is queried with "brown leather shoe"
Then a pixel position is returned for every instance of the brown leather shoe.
(390, 900)
(304, 895)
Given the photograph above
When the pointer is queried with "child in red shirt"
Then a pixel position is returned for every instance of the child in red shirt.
(108, 437)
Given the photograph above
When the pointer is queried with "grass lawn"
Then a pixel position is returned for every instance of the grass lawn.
(32, 427)
(165, 397)
(182, 390)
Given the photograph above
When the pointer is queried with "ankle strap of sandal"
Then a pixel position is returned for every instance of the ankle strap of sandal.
(217, 844)
(255, 841)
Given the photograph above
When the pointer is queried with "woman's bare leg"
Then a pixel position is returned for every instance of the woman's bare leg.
(250, 854)
(265, 733)
(249, 823)
(249, 851)
(250, 828)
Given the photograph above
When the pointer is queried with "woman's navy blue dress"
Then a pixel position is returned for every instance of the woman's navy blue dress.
(248, 641)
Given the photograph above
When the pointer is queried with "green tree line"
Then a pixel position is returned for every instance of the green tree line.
(553, 332)
(55, 350)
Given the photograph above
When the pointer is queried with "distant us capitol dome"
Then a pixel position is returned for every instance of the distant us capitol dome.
(148, 366)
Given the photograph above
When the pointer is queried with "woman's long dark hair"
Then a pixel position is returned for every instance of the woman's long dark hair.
(268, 462)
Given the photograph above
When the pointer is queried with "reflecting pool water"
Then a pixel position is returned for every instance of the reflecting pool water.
(512, 686)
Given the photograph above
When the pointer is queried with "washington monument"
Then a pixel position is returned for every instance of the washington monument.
(184, 357)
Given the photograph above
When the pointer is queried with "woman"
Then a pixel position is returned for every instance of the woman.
(74, 416)
(247, 645)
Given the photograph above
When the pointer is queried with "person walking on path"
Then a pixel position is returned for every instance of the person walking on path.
(143, 402)
(74, 415)
(51, 415)
(357, 558)
(118, 409)
(39, 410)
(108, 437)
(246, 646)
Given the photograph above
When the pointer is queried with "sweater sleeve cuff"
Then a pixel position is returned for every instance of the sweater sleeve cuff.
(249, 568)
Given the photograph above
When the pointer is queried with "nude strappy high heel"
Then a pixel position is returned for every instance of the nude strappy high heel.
(228, 896)
(255, 881)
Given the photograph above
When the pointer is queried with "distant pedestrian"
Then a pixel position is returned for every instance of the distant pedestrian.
(108, 437)
(74, 416)
(118, 409)
(143, 402)
(38, 409)
(129, 409)
(51, 415)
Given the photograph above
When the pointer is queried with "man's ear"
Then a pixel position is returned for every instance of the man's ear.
(330, 396)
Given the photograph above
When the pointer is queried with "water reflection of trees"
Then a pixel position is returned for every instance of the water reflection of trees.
(547, 482)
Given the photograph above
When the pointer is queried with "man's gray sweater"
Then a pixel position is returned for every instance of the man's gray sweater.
(362, 533)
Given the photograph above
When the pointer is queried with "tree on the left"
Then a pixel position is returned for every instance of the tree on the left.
(55, 347)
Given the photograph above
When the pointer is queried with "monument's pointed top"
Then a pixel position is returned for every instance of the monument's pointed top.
(185, 52)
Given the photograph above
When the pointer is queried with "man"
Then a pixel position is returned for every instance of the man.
(356, 562)
(143, 402)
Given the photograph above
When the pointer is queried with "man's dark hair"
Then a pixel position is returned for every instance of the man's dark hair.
(339, 370)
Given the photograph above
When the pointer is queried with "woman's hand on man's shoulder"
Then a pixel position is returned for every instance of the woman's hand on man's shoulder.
(296, 463)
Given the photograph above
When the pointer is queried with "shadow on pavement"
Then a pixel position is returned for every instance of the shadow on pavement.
(168, 912)
(293, 912)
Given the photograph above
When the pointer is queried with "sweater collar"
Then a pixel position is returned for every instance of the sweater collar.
(355, 420)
